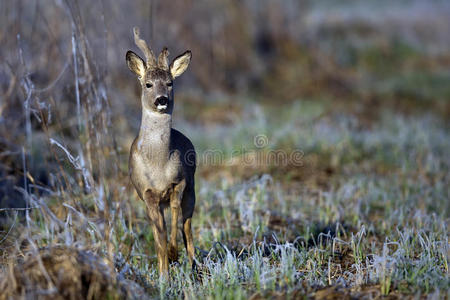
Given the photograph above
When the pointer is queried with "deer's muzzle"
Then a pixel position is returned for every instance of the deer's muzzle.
(161, 102)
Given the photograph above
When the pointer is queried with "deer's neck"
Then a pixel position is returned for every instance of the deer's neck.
(154, 134)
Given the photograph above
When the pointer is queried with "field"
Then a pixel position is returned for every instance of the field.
(322, 137)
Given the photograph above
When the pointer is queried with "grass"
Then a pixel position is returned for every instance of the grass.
(323, 164)
(380, 220)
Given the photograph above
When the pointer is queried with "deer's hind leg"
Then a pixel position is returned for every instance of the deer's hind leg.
(187, 207)
(175, 204)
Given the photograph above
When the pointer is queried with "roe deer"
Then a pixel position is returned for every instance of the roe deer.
(162, 160)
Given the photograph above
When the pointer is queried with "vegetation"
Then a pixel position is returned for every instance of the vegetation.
(322, 143)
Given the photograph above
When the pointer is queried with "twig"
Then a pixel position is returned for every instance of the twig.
(27, 86)
(18, 208)
(77, 163)
(77, 88)
(52, 84)
(10, 229)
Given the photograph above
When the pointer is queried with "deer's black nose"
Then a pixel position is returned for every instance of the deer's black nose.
(161, 100)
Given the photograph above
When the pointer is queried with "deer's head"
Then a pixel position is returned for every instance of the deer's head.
(156, 75)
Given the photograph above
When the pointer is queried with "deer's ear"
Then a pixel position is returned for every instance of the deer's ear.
(180, 64)
(135, 64)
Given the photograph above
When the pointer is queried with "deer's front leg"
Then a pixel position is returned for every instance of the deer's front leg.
(156, 215)
(175, 204)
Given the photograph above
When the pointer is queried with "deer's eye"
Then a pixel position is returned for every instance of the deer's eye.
(169, 83)
(148, 85)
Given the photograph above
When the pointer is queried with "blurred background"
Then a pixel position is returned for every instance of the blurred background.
(352, 57)
(361, 89)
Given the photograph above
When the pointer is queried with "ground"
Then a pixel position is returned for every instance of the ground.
(361, 212)
(322, 144)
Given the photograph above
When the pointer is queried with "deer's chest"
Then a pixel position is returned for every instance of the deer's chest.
(149, 170)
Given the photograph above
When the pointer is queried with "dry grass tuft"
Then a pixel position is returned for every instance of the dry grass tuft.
(62, 272)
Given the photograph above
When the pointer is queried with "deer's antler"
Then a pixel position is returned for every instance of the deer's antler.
(149, 56)
(163, 61)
